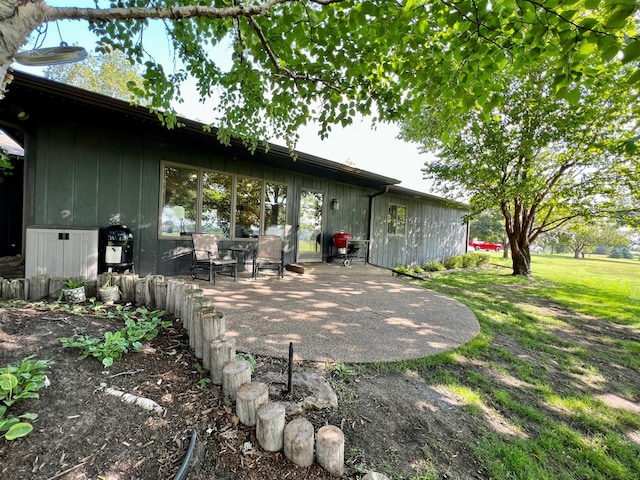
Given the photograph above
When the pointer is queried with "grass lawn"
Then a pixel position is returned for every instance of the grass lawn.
(554, 376)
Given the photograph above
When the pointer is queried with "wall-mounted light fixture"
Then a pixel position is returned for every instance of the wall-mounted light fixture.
(335, 204)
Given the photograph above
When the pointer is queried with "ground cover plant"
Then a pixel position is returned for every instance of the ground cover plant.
(550, 389)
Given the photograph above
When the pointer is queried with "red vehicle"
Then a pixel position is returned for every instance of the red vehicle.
(478, 245)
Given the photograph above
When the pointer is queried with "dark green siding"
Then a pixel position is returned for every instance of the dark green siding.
(82, 175)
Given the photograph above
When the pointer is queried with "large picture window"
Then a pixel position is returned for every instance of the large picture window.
(217, 191)
(179, 209)
(397, 220)
(227, 205)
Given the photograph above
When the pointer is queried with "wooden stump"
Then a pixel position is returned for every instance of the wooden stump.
(249, 397)
(141, 292)
(5, 288)
(39, 287)
(186, 310)
(298, 442)
(222, 351)
(172, 286)
(128, 287)
(330, 449)
(150, 290)
(19, 288)
(270, 426)
(160, 294)
(55, 287)
(213, 326)
(201, 310)
(234, 374)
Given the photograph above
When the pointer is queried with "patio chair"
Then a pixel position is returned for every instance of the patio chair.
(269, 254)
(206, 258)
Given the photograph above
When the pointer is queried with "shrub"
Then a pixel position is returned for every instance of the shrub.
(453, 262)
(469, 260)
(483, 259)
(434, 266)
(19, 382)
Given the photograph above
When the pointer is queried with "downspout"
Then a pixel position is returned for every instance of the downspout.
(370, 227)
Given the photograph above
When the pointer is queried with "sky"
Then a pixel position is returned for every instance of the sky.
(376, 150)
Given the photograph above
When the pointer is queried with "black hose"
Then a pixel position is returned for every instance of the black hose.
(184, 468)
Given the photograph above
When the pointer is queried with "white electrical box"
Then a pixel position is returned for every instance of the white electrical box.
(61, 252)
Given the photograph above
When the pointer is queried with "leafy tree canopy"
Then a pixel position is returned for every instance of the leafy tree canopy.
(110, 74)
(296, 61)
(542, 159)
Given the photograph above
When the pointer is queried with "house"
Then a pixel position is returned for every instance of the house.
(91, 161)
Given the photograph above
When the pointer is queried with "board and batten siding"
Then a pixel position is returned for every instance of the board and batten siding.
(84, 175)
(434, 231)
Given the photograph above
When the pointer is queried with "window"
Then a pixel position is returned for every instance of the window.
(397, 220)
(248, 204)
(227, 205)
(217, 189)
(275, 209)
(180, 201)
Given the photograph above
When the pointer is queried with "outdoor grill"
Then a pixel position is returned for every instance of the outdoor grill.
(116, 249)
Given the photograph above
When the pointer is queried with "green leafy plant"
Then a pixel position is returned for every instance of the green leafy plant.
(140, 324)
(248, 357)
(434, 266)
(342, 372)
(19, 382)
(454, 262)
(71, 284)
(202, 383)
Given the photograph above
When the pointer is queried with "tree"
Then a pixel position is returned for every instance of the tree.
(110, 74)
(296, 61)
(5, 164)
(539, 159)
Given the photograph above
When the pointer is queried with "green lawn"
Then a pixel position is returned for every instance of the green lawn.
(551, 351)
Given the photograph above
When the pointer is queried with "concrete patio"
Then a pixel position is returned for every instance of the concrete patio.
(343, 315)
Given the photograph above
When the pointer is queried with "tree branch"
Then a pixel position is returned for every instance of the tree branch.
(276, 63)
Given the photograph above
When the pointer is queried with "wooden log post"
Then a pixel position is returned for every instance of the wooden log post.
(234, 374)
(213, 326)
(4, 288)
(91, 288)
(141, 294)
(161, 296)
(270, 426)
(201, 307)
(298, 442)
(249, 397)
(128, 287)
(55, 287)
(39, 287)
(182, 290)
(172, 286)
(188, 304)
(19, 288)
(330, 449)
(150, 298)
(222, 351)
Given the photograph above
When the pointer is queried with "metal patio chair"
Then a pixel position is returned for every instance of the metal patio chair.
(206, 258)
(269, 254)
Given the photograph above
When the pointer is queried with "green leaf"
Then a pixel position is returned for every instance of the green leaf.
(635, 78)
(8, 381)
(592, 4)
(619, 16)
(107, 362)
(18, 430)
(29, 416)
(631, 51)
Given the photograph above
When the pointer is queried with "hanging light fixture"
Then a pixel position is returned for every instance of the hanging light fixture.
(52, 55)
